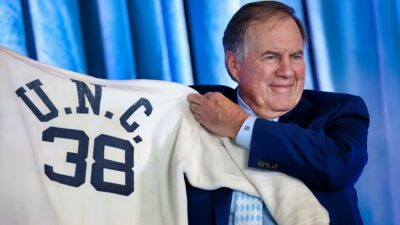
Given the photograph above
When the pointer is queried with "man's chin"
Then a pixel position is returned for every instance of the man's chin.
(284, 105)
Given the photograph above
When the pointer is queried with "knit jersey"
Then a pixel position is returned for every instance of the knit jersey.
(80, 150)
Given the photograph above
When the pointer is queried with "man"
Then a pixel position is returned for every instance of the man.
(317, 137)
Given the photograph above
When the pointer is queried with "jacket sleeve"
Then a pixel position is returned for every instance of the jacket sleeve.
(329, 154)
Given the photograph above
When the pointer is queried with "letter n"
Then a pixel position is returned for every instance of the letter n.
(94, 100)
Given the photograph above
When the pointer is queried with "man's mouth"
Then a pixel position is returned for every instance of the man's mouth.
(281, 88)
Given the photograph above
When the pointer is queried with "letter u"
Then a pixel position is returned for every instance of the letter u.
(35, 85)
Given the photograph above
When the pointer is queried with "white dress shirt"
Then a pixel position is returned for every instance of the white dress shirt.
(243, 138)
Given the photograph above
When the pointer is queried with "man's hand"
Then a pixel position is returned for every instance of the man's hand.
(217, 113)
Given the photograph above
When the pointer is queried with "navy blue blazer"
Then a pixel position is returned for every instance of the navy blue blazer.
(322, 141)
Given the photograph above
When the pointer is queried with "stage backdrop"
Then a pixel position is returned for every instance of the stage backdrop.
(354, 48)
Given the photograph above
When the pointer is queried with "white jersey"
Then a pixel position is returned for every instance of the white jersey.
(79, 150)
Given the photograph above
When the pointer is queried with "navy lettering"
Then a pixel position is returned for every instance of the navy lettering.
(142, 102)
(94, 100)
(78, 158)
(35, 85)
(101, 163)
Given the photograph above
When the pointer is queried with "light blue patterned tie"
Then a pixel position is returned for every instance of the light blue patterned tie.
(248, 210)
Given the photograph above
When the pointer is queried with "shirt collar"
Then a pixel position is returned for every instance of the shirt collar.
(244, 106)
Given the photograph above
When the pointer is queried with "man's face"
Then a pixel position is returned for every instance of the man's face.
(271, 72)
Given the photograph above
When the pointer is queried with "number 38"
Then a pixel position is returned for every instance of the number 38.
(79, 158)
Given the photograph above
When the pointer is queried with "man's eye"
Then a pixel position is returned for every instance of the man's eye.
(270, 58)
(297, 57)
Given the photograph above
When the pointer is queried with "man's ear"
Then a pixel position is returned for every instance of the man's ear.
(232, 64)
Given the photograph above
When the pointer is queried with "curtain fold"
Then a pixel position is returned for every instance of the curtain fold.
(174, 18)
(320, 49)
(353, 48)
(116, 39)
(149, 41)
(388, 35)
(57, 33)
(207, 20)
(12, 30)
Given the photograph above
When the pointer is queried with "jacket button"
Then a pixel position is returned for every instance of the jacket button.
(274, 166)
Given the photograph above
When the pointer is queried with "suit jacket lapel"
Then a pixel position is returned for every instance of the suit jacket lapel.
(222, 204)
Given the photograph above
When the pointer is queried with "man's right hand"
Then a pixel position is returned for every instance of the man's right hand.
(217, 113)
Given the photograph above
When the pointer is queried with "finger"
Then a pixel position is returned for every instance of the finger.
(195, 108)
(213, 95)
(197, 117)
(208, 94)
(195, 98)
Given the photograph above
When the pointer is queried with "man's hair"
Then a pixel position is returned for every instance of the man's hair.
(235, 32)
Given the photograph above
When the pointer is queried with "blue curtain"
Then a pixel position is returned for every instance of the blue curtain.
(354, 48)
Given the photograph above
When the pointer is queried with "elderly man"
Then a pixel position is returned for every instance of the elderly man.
(317, 137)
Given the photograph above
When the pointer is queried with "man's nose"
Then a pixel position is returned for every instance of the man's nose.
(285, 67)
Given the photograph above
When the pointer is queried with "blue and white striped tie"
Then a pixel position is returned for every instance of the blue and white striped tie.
(248, 210)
